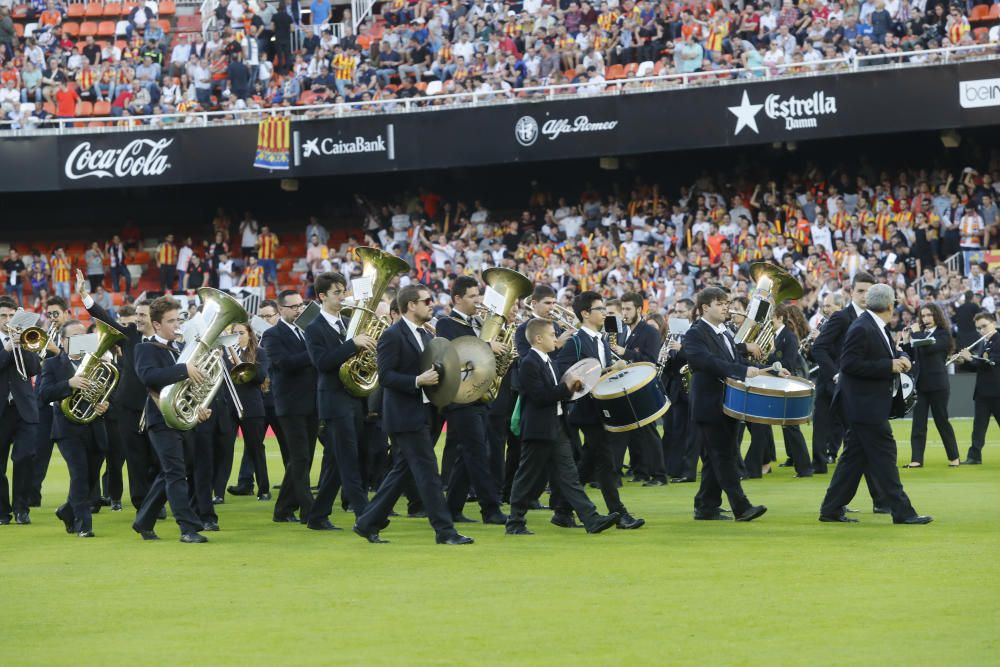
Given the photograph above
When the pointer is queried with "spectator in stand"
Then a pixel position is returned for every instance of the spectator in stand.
(316, 254)
(61, 273)
(253, 277)
(115, 251)
(16, 273)
(196, 276)
(38, 272)
(314, 228)
(8, 34)
(94, 259)
(248, 234)
(282, 23)
(226, 272)
(166, 260)
(66, 100)
(267, 248)
(184, 254)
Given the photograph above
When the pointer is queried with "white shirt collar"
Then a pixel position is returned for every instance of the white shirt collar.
(162, 341)
(333, 320)
(413, 327)
(719, 328)
(290, 325)
(930, 332)
(857, 310)
(544, 356)
(590, 332)
(462, 316)
(779, 330)
(881, 327)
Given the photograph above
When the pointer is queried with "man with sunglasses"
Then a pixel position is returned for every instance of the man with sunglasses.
(56, 315)
(293, 383)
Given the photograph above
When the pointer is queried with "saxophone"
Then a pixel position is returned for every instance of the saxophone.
(179, 402)
(360, 373)
(514, 287)
(80, 406)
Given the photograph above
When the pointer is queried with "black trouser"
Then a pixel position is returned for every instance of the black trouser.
(542, 460)
(170, 484)
(17, 441)
(245, 476)
(795, 448)
(79, 453)
(43, 452)
(719, 451)
(208, 445)
(498, 435)
(140, 458)
(414, 460)
(645, 452)
(168, 277)
(119, 276)
(224, 446)
(341, 438)
(761, 450)
(467, 427)
(871, 451)
(828, 429)
(985, 408)
(679, 444)
(598, 456)
(113, 482)
(377, 459)
(300, 437)
(937, 401)
(254, 454)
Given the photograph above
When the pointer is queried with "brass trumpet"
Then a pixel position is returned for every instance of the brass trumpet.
(242, 371)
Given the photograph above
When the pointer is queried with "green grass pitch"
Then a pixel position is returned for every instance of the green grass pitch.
(783, 590)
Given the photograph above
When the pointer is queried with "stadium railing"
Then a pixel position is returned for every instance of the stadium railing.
(429, 103)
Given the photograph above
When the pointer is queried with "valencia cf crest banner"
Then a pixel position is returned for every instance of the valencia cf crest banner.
(273, 140)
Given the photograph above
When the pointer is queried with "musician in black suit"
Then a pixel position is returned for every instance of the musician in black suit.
(544, 437)
(598, 454)
(713, 356)
(209, 446)
(467, 424)
(987, 392)
(408, 419)
(18, 423)
(130, 394)
(929, 344)
(293, 382)
(254, 420)
(56, 315)
(641, 343)
(79, 444)
(866, 390)
(680, 448)
(828, 427)
(156, 366)
(342, 413)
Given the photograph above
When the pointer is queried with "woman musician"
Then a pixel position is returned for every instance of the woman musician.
(928, 341)
(254, 419)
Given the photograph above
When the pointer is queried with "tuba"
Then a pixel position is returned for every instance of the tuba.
(360, 373)
(514, 287)
(179, 402)
(80, 406)
(772, 285)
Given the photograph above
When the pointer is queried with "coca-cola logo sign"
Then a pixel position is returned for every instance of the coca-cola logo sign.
(137, 158)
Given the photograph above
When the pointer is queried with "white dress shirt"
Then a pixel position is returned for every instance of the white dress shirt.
(881, 328)
(552, 369)
(414, 329)
(600, 344)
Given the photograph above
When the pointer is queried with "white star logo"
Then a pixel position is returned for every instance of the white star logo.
(746, 114)
(312, 146)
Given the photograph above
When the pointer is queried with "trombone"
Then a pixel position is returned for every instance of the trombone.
(32, 339)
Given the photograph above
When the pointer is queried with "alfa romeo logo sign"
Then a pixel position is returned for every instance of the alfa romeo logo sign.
(526, 130)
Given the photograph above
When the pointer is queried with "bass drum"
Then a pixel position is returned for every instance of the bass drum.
(767, 399)
(908, 389)
(630, 398)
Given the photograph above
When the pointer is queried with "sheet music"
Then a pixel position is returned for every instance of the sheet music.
(308, 315)
(678, 325)
(493, 300)
(259, 325)
(83, 344)
(23, 319)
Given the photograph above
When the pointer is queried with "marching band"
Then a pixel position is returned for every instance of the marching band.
(528, 393)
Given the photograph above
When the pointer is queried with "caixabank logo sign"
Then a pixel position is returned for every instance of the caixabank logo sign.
(793, 112)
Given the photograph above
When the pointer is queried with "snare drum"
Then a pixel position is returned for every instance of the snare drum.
(767, 399)
(630, 398)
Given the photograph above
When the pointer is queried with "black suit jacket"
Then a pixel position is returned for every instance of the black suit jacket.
(828, 345)
(786, 351)
(540, 399)
(522, 346)
(584, 412)
(403, 408)
(156, 368)
(710, 365)
(451, 328)
(328, 351)
(293, 376)
(11, 383)
(54, 387)
(865, 386)
(987, 377)
(130, 392)
(928, 361)
(643, 344)
(250, 393)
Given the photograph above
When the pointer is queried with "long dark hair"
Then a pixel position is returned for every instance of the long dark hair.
(940, 321)
(251, 352)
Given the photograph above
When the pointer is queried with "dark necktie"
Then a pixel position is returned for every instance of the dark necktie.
(725, 344)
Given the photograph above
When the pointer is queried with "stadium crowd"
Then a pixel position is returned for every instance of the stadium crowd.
(662, 243)
(261, 54)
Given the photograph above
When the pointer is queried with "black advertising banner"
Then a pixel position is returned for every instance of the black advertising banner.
(740, 113)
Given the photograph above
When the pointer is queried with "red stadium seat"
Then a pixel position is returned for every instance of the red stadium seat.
(995, 12)
(112, 9)
(981, 34)
(19, 29)
(102, 109)
(165, 24)
(106, 29)
(570, 74)
(88, 28)
(75, 11)
(614, 72)
(631, 68)
(127, 7)
(979, 13)
(49, 108)
(94, 10)
(84, 109)
(167, 8)
(71, 29)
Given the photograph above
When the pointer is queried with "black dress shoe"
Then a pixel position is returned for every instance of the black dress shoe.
(22, 518)
(95, 508)
(604, 522)
(66, 522)
(264, 497)
(420, 514)
(146, 534)
(820, 470)
(877, 509)
(972, 462)
(915, 520)
(712, 516)
(787, 464)
(537, 505)
(105, 501)
(840, 518)
(681, 480)
(495, 519)
(218, 500)
(803, 474)
(211, 526)
(830, 460)
(518, 530)
(655, 482)
(85, 533)
(5, 520)
(325, 524)
(565, 521)
(461, 518)
(628, 522)
(455, 540)
(371, 537)
(116, 506)
(288, 518)
(752, 513)
(193, 538)
(239, 490)
(163, 514)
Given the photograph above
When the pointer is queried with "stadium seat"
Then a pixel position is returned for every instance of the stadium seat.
(112, 10)
(19, 29)
(94, 10)
(71, 29)
(49, 108)
(614, 72)
(167, 8)
(75, 11)
(127, 7)
(20, 12)
(106, 29)
(979, 14)
(165, 24)
(421, 86)
(570, 74)
(102, 109)
(981, 34)
(84, 108)
(631, 68)
(995, 12)
(88, 29)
